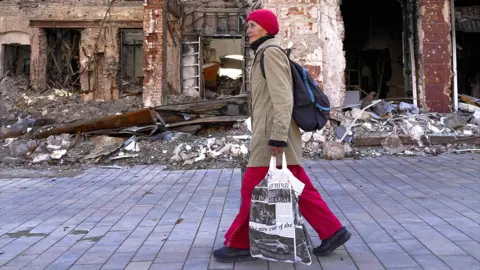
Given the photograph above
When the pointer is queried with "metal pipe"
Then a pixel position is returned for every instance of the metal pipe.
(454, 55)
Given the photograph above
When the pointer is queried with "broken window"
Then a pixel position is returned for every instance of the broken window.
(223, 67)
(63, 57)
(467, 44)
(16, 59)
(131, 57)
(374, 47)
(213, 54)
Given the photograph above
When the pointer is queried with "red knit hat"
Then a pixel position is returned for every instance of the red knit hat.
(266, 19)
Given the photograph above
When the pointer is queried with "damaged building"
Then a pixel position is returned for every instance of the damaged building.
(422, 52)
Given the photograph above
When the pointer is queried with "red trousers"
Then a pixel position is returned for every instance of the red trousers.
(311, 205)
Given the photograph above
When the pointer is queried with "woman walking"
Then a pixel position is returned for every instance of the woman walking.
(274, 132)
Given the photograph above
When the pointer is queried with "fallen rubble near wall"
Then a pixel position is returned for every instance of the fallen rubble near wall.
(138, 136)
(213, 134)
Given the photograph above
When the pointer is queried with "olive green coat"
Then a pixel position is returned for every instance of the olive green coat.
(271, 108)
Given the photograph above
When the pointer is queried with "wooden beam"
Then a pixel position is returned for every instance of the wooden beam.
(84, 24)
(203, 106)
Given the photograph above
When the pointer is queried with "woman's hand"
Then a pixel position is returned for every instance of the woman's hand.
(276, 151)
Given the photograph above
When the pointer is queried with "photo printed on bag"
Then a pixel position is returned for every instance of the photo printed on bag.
(260, 194)
(280, 195)
(272, 246)
(264, 183)
(263, 213)
(302, 244)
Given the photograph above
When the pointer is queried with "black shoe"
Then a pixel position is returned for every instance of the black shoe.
(229, 255)
(332, 243)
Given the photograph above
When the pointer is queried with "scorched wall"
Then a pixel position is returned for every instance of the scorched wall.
(315, 29)
(98, 78)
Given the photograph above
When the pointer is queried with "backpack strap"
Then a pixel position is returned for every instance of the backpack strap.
(262, 64)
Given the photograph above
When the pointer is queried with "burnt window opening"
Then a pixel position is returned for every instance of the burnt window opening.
(468, 63)
(467, 43)
(373, 45)
(223, 67)
(213, 66)
(63, 58)
(214, 54)
(16, 59)
(131, 58)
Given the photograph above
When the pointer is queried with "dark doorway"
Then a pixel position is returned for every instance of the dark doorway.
(467, 25)
(374, 47)
(131, 57)
(63, 57)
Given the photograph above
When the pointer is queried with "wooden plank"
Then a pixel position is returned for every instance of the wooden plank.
(84, 24)
(202, 106)
(217, 119)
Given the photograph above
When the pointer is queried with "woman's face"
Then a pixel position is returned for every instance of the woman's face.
(255, 31)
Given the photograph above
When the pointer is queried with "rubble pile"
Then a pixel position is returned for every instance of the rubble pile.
(51, 128)
(400, 129)
(53, 105)
(135, 136)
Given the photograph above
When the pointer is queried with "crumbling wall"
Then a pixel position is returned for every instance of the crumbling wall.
(331, 41)
(174, 45)
(38, 59)
(434, 51)
(99, 60)
(154, 52)
(315, 29)
(16, 15)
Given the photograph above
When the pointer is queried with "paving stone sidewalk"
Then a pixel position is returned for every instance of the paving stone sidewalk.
(404, 213)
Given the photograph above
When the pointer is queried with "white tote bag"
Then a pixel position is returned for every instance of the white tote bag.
(277, 231)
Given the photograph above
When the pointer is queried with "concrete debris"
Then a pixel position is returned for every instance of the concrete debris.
(58, 154)
(468, 107)
(361, 115)
(104, 146)
(393, 144)
(406, 107)
(331, 151)
(41, 157)
(132, 146)
(475, 118)
(18, 149)
(455, 122)
(215, 133)
(307, 136)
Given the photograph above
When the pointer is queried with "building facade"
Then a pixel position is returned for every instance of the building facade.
(407, 49)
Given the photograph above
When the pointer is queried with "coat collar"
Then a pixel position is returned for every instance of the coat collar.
(269, 42)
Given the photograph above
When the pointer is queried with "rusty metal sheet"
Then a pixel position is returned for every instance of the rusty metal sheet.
(142, 117)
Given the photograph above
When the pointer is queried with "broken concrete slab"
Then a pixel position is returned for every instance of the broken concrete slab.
(392, 144)
(104, 146)
(455, 122)
(18, 149)
(333, 151)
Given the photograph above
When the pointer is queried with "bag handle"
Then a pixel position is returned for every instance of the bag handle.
(273, 162)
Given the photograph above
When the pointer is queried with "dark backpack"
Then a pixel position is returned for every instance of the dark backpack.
(311, 107)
